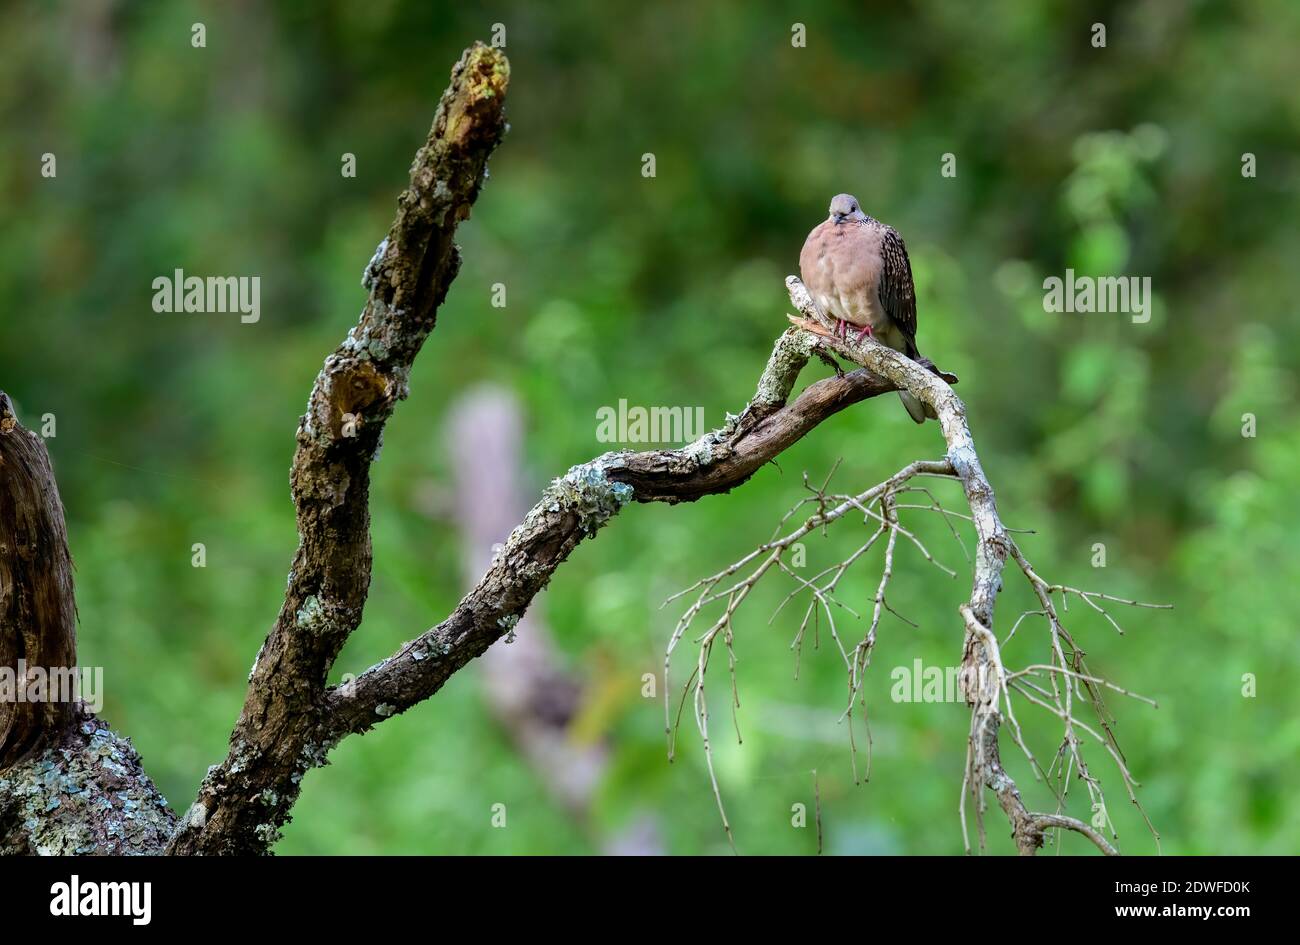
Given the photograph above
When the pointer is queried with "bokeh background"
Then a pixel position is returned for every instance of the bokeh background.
(175, 429)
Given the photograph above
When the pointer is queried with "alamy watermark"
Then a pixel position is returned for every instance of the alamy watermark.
(626, 424)
(182, 293)
(53, 684)
(1128, 294)
(79, 897)
(921, 683)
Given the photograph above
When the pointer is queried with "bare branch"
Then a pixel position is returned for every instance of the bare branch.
(986, 682)
(244, 800)
(577, 504)
(290, 720)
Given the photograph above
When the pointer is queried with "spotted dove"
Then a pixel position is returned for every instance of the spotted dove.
(857, 271)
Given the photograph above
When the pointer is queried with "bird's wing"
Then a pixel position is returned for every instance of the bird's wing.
(897, 293)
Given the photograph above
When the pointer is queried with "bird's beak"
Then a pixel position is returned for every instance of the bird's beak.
(837, 217)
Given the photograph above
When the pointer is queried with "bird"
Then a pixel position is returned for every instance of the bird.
(857, 271)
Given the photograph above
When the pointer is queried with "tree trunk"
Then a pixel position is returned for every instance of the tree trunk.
(67, 783)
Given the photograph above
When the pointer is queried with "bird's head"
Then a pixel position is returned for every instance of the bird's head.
(845, 207)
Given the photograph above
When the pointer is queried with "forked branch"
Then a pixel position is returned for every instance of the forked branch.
(987, 684)
(291, 720)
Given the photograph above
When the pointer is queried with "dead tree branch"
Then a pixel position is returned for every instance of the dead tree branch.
(244, 800)
(986, 683)
(538, 700)
(290, 720)
(576, 505)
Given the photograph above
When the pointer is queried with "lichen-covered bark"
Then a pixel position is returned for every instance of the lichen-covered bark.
(574, 507)
(86, 793)
(577, 504)
(246, 799)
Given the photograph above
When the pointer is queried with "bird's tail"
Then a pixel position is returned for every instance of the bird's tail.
(915, 409)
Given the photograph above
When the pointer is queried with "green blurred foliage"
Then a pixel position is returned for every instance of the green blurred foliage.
(175, 429)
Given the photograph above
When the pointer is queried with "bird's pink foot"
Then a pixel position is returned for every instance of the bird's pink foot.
(865, 333)
(841, 329)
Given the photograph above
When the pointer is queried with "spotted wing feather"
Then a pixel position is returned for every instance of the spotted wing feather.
(896, 290)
